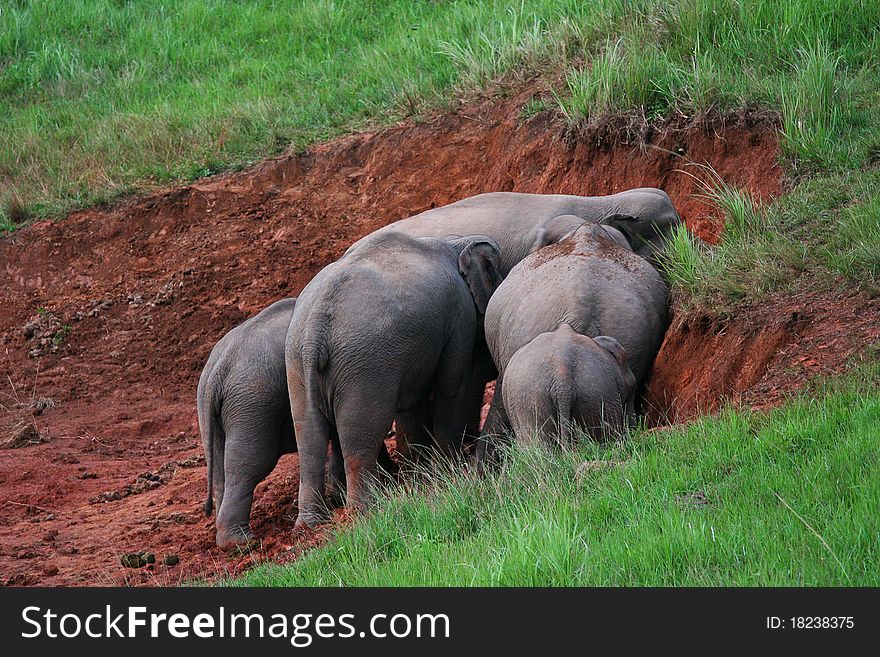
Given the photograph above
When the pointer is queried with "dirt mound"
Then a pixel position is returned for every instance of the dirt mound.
(129, 300)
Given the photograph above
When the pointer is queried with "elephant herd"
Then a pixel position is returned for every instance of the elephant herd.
(557, 297)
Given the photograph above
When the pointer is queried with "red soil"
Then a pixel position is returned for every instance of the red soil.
(761, 355)
(147, 286)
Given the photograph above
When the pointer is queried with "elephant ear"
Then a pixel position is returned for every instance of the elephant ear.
(479, 265)
(626, 224)
(615, 235)
(617, 351)
(555, 229)
(613, 347)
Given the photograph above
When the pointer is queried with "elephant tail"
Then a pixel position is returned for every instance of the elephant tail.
(315, 357)
(564, 404)
(214, 443)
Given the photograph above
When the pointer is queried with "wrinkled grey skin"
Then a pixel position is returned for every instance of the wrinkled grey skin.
(519, 223)
(245, 419)
(589, 282)
(388, 331)
(557, 229)
(244, 416)
(563, 378)
(516, 220)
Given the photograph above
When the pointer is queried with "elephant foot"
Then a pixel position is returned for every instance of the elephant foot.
(235, 537)
(488, 457)
(336, 498)
(311, 520)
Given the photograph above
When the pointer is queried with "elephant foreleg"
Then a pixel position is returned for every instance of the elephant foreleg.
(496, 432)
(336, 478)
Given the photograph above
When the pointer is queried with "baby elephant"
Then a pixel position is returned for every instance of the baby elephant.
(563, 378)
(244, 416)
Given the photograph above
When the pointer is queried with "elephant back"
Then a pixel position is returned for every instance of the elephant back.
(589, 282)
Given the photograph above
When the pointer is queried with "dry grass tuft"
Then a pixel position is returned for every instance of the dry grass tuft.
(22, 432)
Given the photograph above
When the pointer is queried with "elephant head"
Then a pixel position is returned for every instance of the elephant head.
(646, 237)
(479, 262)
(556, 229)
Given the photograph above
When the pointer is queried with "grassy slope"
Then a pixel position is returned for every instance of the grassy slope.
(745, 498)
(826, 228)
(104, 97)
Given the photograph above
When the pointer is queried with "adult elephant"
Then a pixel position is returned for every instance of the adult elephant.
(516, 221)
(387, 332)
(589, 281)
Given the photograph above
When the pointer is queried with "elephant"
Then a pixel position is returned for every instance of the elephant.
(520, 222)
(387, 333)
(245, 420)
(244, 416)
(516, 220)
(563, 378)
(589, 281)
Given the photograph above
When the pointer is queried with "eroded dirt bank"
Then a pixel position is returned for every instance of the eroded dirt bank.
(762, 354)
(124, 304)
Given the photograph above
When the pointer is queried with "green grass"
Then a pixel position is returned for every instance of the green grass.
(854, 249)
(811, 60)
(532, 107)
(742, 498)
(100, 98)
(828, 225)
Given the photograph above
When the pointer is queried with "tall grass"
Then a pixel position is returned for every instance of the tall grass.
(514, 39)
(99, 98)
(743, 498)
(616, 81)
(812, 107)
(682, 259)
(743, 215)
(809, 59)
(755, 255)
(829, 224)
(854, 249)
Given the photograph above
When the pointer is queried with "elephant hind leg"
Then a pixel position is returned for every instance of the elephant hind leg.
(217, 473)
(412, 429)
(313, 435)
(336, 473)
(336, 486)
(361, 435)
(250, 457)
